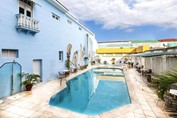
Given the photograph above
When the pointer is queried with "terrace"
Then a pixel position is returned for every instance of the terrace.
(36, 103)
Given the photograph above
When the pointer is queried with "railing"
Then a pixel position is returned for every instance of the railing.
(27, 23)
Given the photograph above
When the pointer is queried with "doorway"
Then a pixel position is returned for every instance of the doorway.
(37, 67)
(10, 79)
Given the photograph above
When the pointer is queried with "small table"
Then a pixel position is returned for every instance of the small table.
(143, 71)
(66, 72)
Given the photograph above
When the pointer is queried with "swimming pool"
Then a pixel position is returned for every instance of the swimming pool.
(91, 94)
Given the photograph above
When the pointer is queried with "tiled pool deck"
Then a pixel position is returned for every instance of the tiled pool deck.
(35, 104)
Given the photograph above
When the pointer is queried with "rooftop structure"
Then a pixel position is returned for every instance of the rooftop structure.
(168, 40)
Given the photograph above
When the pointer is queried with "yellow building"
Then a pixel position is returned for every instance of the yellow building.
(118, 50)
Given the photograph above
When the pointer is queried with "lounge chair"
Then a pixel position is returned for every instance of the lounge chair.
(93, 62)
(74, 69)
(81, 67)
(61, 76)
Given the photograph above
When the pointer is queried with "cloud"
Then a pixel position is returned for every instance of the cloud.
(125, 13)
(129, 30)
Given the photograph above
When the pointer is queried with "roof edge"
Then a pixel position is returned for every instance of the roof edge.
(113, 41)
(79, 23)
(58, 5)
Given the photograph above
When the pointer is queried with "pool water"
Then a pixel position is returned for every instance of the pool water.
(88, 95)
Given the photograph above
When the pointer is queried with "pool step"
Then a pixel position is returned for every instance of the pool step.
(113, 78)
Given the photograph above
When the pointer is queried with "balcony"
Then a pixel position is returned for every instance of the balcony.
(27, 24)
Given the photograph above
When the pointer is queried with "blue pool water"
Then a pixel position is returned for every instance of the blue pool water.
(88, 95)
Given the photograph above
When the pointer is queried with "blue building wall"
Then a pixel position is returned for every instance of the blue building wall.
(54, 36)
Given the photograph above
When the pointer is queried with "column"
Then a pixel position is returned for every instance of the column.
(164, 63)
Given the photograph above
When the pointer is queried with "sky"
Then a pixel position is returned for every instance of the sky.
(113, 20)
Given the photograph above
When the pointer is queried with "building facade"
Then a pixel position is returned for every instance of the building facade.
(120, 50)
(36, 34)
(158, 60)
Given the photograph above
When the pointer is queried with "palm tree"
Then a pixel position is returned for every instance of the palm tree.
(164, 81)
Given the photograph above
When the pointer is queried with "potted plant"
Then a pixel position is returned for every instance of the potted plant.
(85, 66)
(67, 64)
(163, 82)
(30, 80)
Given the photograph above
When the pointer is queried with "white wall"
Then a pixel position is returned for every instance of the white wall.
(159, 64)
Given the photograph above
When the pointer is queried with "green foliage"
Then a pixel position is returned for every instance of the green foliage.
(67, 64)
(30, 79)
(163, 82)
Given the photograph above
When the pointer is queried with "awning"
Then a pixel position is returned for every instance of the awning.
(155, 54)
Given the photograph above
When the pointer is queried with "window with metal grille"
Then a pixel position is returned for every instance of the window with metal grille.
(60, 55)
(55, 16)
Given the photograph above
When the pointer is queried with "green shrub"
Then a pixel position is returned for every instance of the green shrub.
(163, 82)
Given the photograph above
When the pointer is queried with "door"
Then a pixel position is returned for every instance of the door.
(37, 67)
(25, 8)
(16, 69)
(10, 79)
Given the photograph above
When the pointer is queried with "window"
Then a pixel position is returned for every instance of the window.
(55, 16)
(60, 55)
(21, 10)
(27, 2)
(69, 21)
(26, 7)
(9, 53)
(28, 13)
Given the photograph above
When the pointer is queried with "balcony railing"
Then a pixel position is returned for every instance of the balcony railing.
(27, 24)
